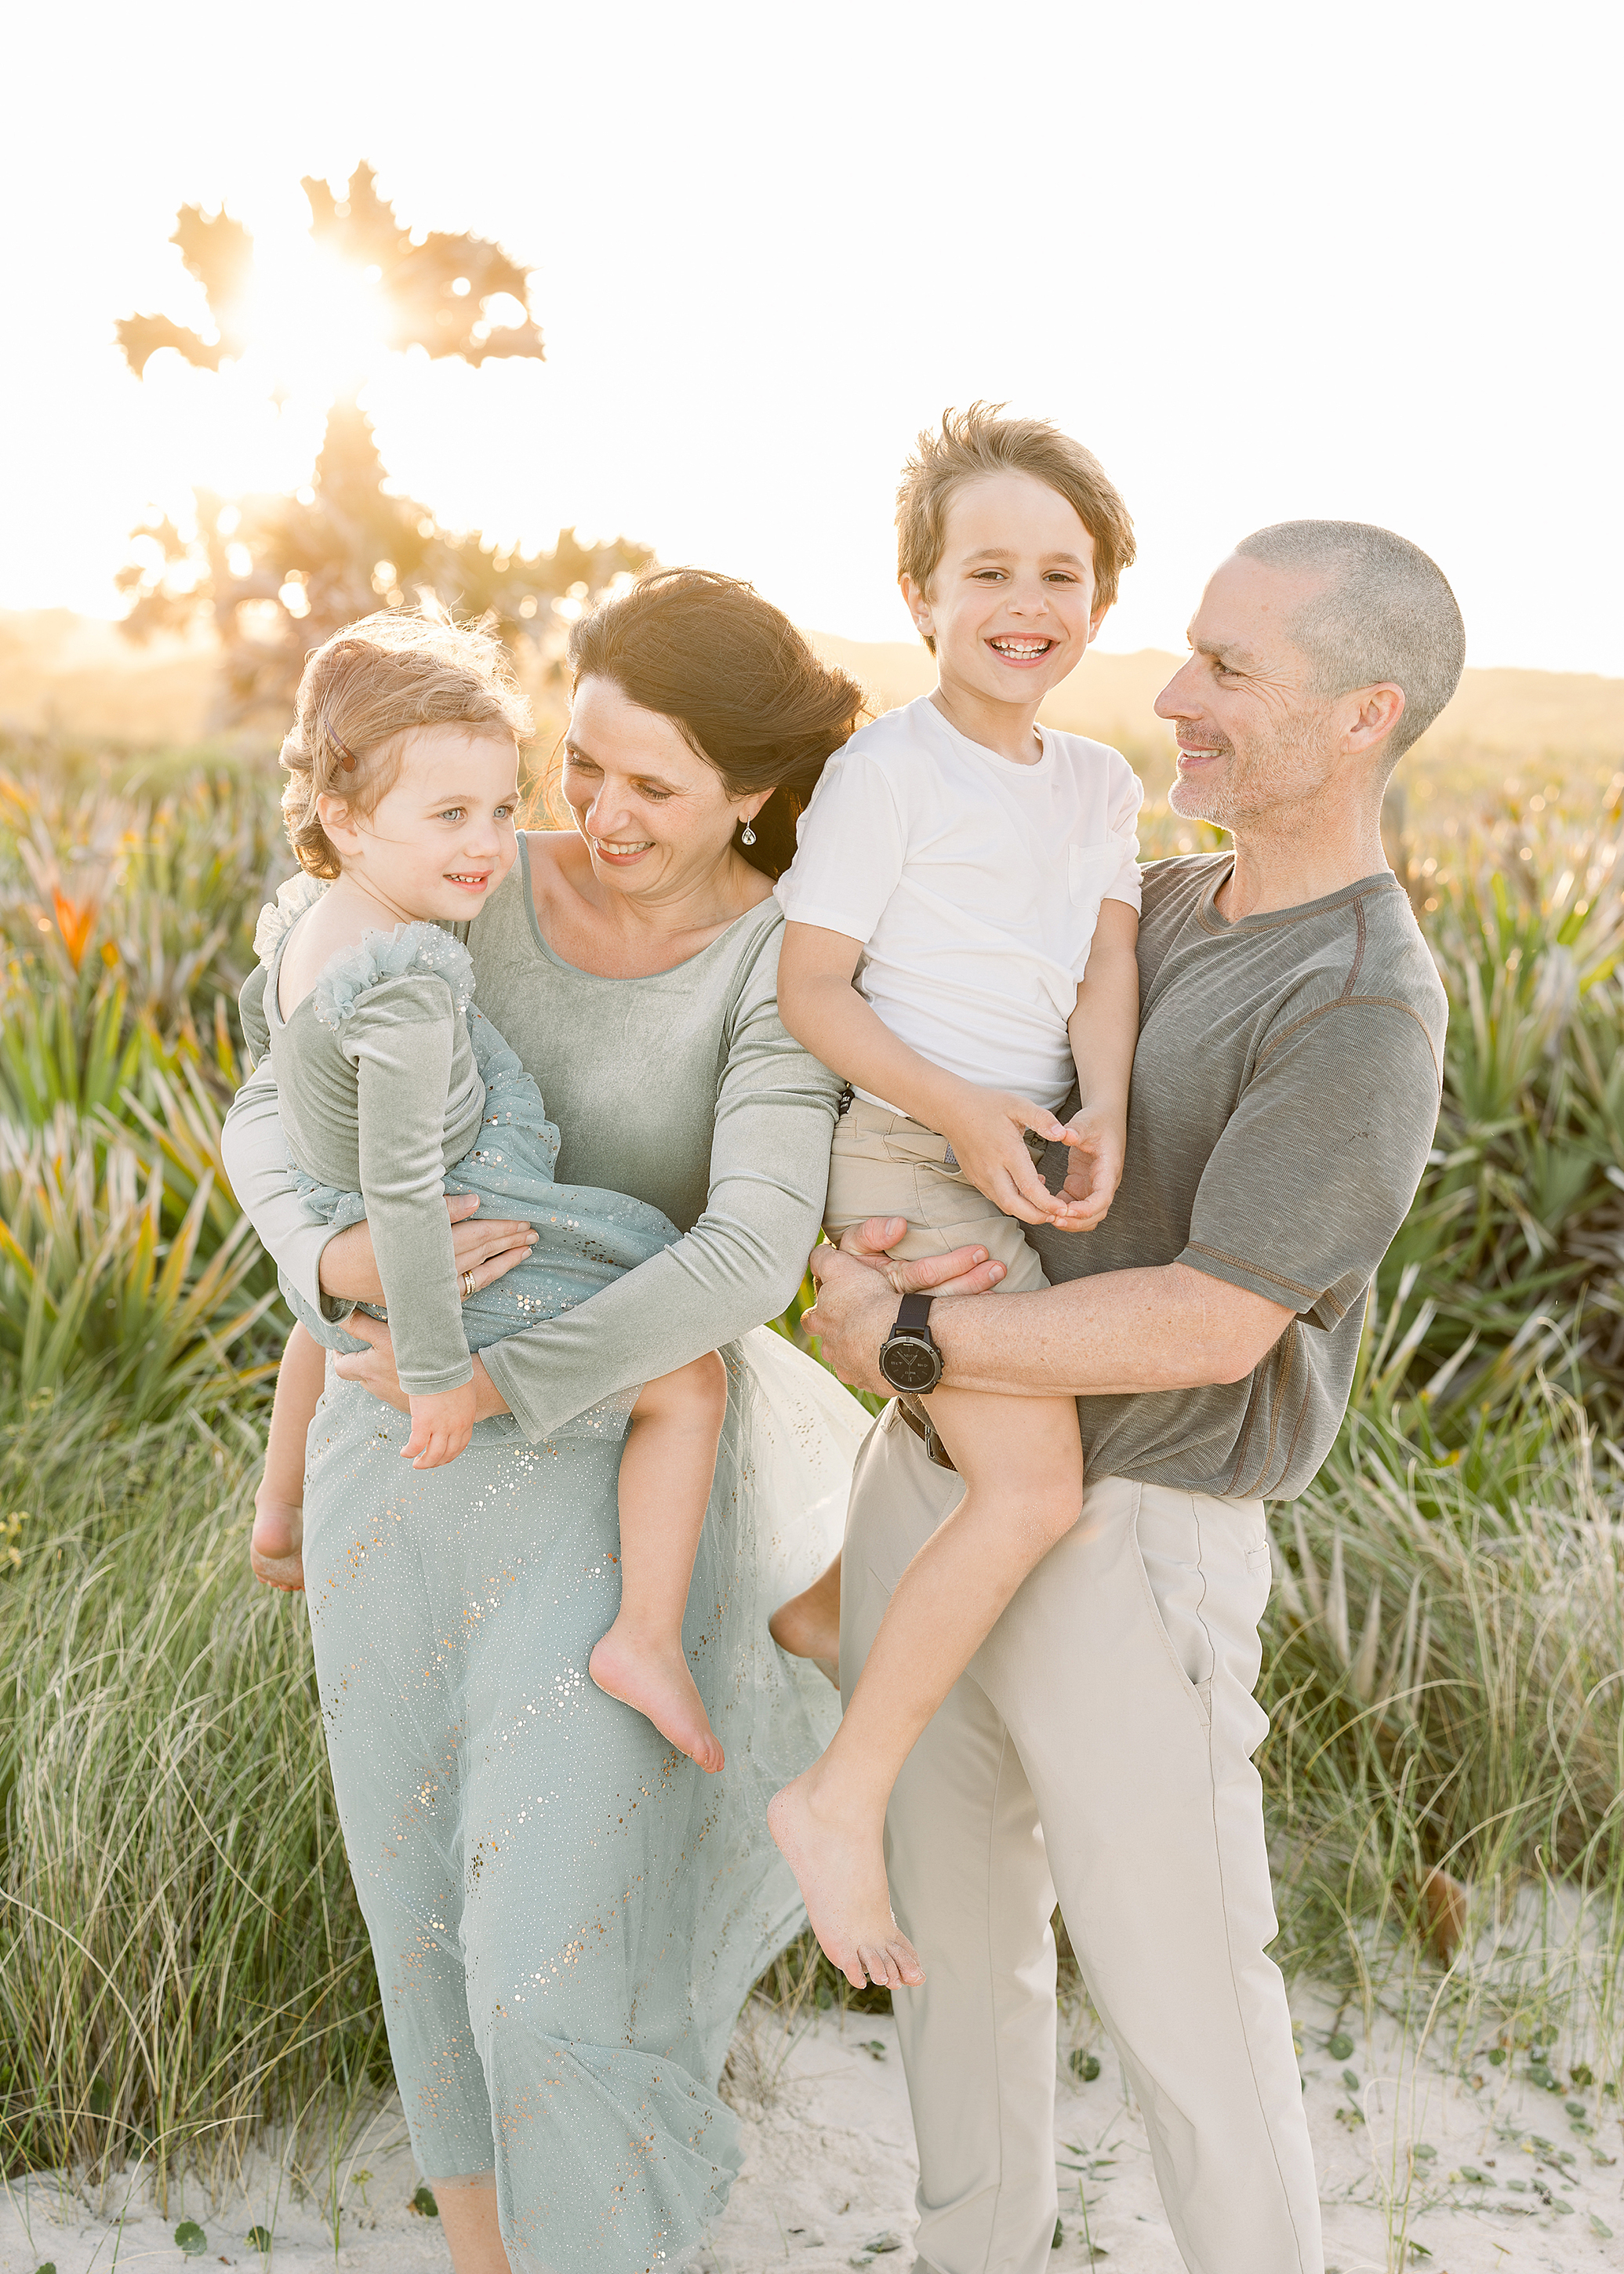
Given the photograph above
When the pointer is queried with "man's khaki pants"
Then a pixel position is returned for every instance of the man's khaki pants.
(1099, 1745)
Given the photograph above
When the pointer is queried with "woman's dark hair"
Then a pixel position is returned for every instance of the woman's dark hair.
(734, 676)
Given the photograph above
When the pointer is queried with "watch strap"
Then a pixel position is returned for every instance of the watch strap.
(914, 1316)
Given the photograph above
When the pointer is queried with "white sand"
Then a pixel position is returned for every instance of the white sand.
(829, 2169)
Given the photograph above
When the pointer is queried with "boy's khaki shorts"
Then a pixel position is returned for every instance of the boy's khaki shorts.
(885, 1164)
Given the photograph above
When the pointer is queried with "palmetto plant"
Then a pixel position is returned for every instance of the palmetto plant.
(1513, 1254)
(94, 1286)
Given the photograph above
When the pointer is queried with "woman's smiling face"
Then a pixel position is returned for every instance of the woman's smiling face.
(654, 815)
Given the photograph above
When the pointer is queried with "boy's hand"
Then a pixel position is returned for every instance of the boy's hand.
(441, 1426)
(984, 1131)
(1098, 1144)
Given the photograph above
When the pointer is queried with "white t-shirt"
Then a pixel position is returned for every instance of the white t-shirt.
(975, 886)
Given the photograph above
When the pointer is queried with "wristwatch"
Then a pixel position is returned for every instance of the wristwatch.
(909, 1358)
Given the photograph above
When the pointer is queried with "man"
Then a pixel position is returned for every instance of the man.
(1285, 1093)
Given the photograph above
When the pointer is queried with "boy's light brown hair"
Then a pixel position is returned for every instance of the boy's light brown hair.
(364, 691)
(980, 442)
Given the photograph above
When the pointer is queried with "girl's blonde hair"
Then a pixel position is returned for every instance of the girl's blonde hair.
(364, 691)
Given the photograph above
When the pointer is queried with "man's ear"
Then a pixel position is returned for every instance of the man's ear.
(1376, 712)
(916, 599)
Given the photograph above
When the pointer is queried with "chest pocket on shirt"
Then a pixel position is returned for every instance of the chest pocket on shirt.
(1089, 870)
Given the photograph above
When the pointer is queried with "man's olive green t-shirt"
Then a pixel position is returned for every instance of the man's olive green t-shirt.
(1285, 1094)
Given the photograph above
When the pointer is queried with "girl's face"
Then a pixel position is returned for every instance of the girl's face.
(437, 845)
(654, 817)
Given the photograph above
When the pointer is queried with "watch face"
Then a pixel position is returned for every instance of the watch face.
(910, 1364)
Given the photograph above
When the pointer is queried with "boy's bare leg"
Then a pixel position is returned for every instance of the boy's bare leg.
(275, 1543)
(1022, 1462)
(808, 1625)
(666, 1472)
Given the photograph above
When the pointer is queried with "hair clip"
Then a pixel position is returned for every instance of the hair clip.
(347, 758)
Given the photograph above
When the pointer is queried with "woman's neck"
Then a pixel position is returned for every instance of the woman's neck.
(625, 934)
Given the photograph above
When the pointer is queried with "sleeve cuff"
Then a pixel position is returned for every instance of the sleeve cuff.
(849, 924)
(1318, 1303)
(417, 1384)
(507, 1378)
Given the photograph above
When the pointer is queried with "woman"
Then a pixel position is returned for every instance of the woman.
(565, 1916)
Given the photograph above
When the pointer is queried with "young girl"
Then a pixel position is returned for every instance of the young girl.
(962, 911)
(393, 1091)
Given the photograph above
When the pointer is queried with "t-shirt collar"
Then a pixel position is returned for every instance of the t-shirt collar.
(1213, 920)
(993, 757)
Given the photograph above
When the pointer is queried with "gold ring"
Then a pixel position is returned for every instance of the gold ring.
(468, 1283)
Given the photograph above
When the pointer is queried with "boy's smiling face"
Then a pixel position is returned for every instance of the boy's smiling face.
(1011, 603)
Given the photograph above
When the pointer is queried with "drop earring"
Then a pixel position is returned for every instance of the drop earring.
(748, 835)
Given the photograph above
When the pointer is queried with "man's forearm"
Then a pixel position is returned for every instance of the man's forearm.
(1118, 1334)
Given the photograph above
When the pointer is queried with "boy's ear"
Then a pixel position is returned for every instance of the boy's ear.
(917, 602)
(1096, 620)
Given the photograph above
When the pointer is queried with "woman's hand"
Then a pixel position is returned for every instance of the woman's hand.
(488, 1248)
(374, 1369)
(985, 1131)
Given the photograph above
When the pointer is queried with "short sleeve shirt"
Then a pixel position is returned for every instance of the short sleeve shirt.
(973, 884)
(1285, 1095)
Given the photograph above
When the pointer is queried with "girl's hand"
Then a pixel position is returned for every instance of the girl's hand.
(985, 1132)
(1098, 1141)
(442, 1425)
(274, 1544)
(488, 1248)
(374, 1370)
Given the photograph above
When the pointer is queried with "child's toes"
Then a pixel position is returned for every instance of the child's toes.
(881, 1972)
(910, 1973)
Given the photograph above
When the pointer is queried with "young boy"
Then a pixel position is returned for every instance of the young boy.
(962, 917)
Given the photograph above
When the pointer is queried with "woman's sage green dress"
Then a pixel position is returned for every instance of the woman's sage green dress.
(566, 1914)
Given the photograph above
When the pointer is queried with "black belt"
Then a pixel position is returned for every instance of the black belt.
(921, 1427)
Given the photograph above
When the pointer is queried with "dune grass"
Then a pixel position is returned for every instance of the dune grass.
(181, 1958)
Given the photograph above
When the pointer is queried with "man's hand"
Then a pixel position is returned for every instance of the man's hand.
(858, 1284)
(985, 1130)
(489, 1249)
(374, 1369)
(1099, 1144)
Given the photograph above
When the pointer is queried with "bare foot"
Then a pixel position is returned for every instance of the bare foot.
(841, 1873)
(653, 1679)
(275, 1546)
(809, 1626)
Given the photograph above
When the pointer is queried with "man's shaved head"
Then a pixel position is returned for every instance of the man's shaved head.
(1384, 615)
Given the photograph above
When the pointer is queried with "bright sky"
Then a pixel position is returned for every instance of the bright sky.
(1266, 259)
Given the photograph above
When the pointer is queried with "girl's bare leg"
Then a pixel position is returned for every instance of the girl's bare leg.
(666, 1472)
(1022, 1462)
(276, 1542)
(808, 1625)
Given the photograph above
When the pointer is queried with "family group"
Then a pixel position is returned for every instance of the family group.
(545, 1125)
